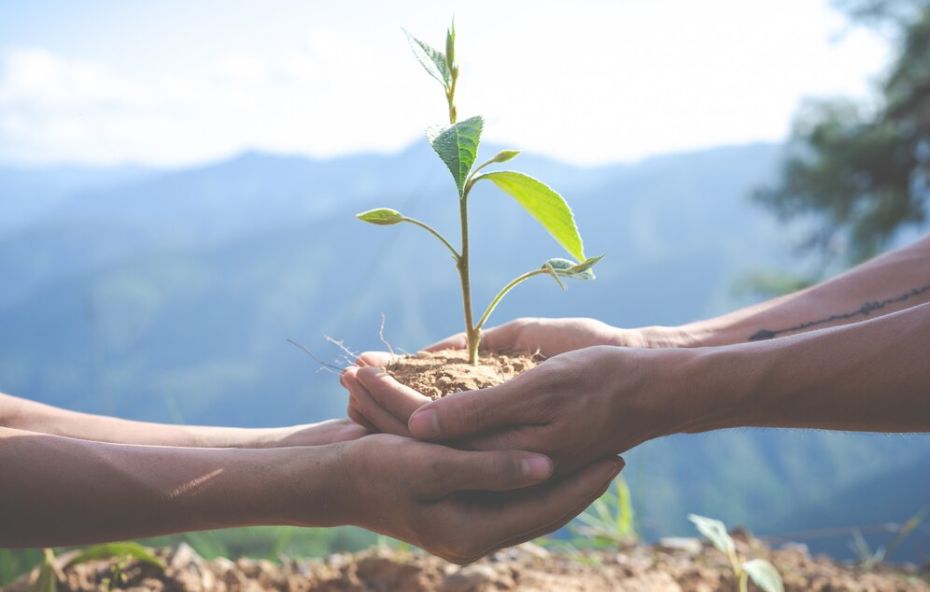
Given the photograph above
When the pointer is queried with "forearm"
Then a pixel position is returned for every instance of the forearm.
(30, 416)
(62, 491)
(889, 283)
(869, 376)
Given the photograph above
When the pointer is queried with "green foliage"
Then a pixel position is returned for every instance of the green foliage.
(48, 578)
(764, 575)
(610, 521)
(15, 562)
(543, 204)
(760, 571)
(127, 550)
(457, 146)
(868, 558)
(381, 216)
(715, 531)
(859, 172)
(502, 156)
(433, 61)
(579, 271)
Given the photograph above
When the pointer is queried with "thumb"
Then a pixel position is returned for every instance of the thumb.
(465, 414)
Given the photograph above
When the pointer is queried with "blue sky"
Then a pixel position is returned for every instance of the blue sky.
(173, 83)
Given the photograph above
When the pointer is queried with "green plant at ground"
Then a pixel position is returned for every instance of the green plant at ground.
(760, 571)
(610, 520)
(124, 553)
(457, 146)
(869, 558)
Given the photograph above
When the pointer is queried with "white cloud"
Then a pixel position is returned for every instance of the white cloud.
(589, 82)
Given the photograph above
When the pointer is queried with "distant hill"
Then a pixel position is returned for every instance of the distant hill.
(168, 295)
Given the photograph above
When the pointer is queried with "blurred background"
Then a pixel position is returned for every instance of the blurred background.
(178, 182)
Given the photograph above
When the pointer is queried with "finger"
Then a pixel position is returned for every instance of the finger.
(466, 414)
(356, 416)
(454, 471)
(378, 359)
(372, 411)
(524, 515)
(397, 399)
(456, 341)
(330, 431)
(491, 339)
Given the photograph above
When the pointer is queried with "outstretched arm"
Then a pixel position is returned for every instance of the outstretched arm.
(889, 283)
(868, 376)
(894, 281)
(30, 416)
(62, 491)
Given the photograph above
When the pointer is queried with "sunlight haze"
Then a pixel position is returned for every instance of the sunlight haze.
(175, 83)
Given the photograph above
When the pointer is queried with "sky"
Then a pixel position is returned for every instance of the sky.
(175, 83)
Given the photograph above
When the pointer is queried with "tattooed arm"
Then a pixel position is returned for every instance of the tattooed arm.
(889, 283)
(895, 281)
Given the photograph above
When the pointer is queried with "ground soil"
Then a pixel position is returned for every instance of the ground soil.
(437, 374)
(679, 565)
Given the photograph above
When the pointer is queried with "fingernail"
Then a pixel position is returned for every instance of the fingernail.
(536, 467)
(424, 424)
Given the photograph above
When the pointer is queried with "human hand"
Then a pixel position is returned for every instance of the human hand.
(574, 407)
(549, 337)
(315, 434)
(458, 504)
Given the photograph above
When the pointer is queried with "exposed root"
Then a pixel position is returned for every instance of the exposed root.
(323, 365)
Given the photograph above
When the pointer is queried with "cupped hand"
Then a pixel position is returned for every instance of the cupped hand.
(459, 504)
(575, 407)
(549, 337)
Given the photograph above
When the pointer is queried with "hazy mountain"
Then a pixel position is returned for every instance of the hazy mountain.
(169, 295)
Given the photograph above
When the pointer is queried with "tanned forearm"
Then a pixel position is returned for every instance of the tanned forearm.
(868, 376)
(30, 416)
(64, 491)
(889, 283)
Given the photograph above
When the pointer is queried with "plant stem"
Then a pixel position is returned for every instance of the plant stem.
(435, 233)
(743, 582)
(472, 334)
(500, 295)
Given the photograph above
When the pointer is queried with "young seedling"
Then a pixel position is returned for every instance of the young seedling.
(610, 521)
(457, 146)
(760, 571)
(123, 553)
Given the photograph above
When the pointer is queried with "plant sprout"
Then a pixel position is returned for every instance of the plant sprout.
(457, 146)
(760, 571)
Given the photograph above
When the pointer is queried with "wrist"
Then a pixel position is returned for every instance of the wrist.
(718, 382)
(657, 337)
(308, 486)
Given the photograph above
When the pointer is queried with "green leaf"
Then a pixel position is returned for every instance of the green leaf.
(715, 531)
(543, 203)
(764, 575)
(381, 216)
(504, 156)
(457, 146)
(450, 46)
(432, 60)
(108, 550)
(570, 269)
(48, 579)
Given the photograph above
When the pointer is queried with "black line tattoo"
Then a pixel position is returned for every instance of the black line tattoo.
(865, 310)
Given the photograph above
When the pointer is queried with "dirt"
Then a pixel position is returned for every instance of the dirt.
(679, 565)
(437, 374)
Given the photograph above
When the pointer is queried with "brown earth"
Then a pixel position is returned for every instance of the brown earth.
(674, 565)
(437, 374)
